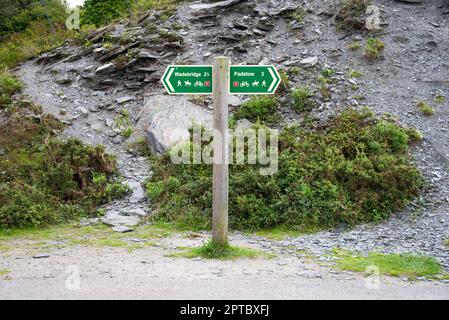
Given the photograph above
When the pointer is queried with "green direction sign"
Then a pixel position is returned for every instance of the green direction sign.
(253, 80)
(188, 79)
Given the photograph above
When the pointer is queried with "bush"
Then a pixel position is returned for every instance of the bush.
(101, 12)
(302, 101)
(263, 108)
(36, 39)
(373, 48)
(9, 84)
(24, 205)
(354, 170)
(18, 15)
(46, 180)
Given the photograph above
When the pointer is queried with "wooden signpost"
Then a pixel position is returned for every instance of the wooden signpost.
(221, 80)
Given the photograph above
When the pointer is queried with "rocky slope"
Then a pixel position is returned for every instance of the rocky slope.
(89, 88)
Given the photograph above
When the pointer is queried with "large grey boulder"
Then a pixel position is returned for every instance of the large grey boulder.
(115, 218)
(166, 120)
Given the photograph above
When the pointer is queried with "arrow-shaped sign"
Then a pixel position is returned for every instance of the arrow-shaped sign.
(188, 79)
(253, 80)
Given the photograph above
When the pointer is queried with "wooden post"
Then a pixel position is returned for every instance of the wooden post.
(221, 171)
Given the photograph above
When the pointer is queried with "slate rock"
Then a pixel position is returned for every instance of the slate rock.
(122, 229)
(166, 120)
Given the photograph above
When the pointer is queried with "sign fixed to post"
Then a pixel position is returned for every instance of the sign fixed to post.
(221, 80)
(188, 79)
(253, 80)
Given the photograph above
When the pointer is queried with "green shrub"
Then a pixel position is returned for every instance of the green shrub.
(9, 84)
(18, 15)
(301, 97)
(36, 39)
(24, 205)
(263, 108)
(374, 48)
(354, 170)
(44, 179)
(101, 12)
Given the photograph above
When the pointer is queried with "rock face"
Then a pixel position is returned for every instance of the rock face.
(166, 120)
(200, 7)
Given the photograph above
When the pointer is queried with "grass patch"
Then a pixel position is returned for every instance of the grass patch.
(425, 108)
(356, 169)
(213, 250)
(9, 84)
(98, 235)
(392, 264)
(282, 232)
(373, 48)
(4, 272)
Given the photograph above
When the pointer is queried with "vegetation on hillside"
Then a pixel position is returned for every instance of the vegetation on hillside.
(354, 170)
(19, 15)
(101, 12)
(45, 179)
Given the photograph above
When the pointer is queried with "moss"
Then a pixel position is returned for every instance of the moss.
(98, 235)
(373, 48)
(425, 108)
(354, 170)
(390, 264)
